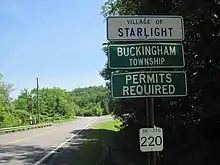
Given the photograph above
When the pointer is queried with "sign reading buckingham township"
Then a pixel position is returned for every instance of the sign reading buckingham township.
(145, 28)
(147, 55)
(149, 84)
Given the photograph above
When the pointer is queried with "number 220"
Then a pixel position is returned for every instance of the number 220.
(153, 141)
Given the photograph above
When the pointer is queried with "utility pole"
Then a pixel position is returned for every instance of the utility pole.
(38, 109)
(29, 107)
(32, 106)
(32, 109)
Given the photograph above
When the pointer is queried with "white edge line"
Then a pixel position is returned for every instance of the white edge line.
(53, 151)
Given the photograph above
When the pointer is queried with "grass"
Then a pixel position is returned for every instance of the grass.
(110, 125)
(92, 142)
(87, 149)
(63, 120)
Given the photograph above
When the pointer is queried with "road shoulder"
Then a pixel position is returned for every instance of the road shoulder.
(86, 148)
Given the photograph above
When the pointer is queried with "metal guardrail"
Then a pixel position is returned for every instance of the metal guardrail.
(22, 128)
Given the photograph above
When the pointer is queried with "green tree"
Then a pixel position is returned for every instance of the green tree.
(6, 107)
(184, 120)
(23, 101)
(54, 104)
(89, 98)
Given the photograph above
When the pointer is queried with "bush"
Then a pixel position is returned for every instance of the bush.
(8, 120)
(88, 113)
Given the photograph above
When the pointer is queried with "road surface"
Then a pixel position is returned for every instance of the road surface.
(35, 147)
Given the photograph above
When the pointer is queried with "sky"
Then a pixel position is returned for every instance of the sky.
(58, 41)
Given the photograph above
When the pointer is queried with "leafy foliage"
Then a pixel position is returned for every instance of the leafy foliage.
(54, 104)
(91, 100)
(190, 123)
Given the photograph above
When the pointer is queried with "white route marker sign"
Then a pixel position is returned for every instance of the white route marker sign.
(151, 139)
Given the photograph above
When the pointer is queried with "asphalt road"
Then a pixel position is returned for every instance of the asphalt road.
(34, 147)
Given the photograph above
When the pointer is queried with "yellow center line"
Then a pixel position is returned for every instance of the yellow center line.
(25, 138)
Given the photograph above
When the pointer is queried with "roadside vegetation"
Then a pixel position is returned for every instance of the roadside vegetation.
(92, 143)
(87, 148)
(191, 124)
(55, 104)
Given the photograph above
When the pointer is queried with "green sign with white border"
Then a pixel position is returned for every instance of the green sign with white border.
(149, 84)
(146, 55)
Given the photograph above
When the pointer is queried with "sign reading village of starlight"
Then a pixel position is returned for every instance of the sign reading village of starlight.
(147, 55)
(145, 28)
(149, 84)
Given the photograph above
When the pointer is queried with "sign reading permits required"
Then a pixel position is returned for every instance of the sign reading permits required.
(145, 28)
(147, 55)
(149, 84)
(151, 139)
